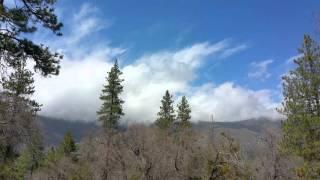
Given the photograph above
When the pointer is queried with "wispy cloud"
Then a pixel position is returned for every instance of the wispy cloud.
(259, 70)
(78, 29)
(86, 22)
(233, 50)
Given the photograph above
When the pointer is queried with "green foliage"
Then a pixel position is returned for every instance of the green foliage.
(111, 109)
(62, 162)
(19, 85)
(134, 177)
(184, 116)
(17, 111)
(81, 172)
(50, 156)
(65, 149)
(166, 116)
(68, 145)
(308, 171)
(27, 162)
(24, 18)
(59, 166)
(7, 171)
(301, 105)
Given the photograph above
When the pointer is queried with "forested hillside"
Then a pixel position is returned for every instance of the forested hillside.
(246, 131)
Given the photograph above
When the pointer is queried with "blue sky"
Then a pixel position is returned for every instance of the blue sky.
(256, 37)
(271, 29)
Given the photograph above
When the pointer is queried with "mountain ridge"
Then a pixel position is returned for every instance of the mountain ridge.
(53, 129)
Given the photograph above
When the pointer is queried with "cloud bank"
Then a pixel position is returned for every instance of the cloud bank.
(74, 94)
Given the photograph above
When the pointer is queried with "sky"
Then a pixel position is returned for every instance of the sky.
(227, 57)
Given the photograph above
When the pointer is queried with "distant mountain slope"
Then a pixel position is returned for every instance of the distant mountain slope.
(246, 132)
(255, 125)
(53, 129)
(249, 133)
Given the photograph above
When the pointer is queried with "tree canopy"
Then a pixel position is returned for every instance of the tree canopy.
(184, 111)
(166, 116)
(301, 106)
(20, 19)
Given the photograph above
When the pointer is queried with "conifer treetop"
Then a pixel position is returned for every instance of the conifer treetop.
(184, 111)
(166, 116)
(111, 109)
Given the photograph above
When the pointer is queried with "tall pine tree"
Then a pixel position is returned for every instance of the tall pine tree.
(166, 116)
(20, 86)
(184, 116)
(18, 110)
(111, 109)
(301, 106)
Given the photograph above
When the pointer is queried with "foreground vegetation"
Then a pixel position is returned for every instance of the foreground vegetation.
(168, 149)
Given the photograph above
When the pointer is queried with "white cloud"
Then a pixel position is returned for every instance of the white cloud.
(147, 79)
(79, 84)
(259, 70)
(229, 102)
(74, 94)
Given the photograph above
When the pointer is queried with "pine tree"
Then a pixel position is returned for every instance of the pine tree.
(301, 106)
(19, 86)
(18, 110)
(67, 145)
(111, 109)
(166, 116)
(21, 20)
(18, 127)
(184, 116)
